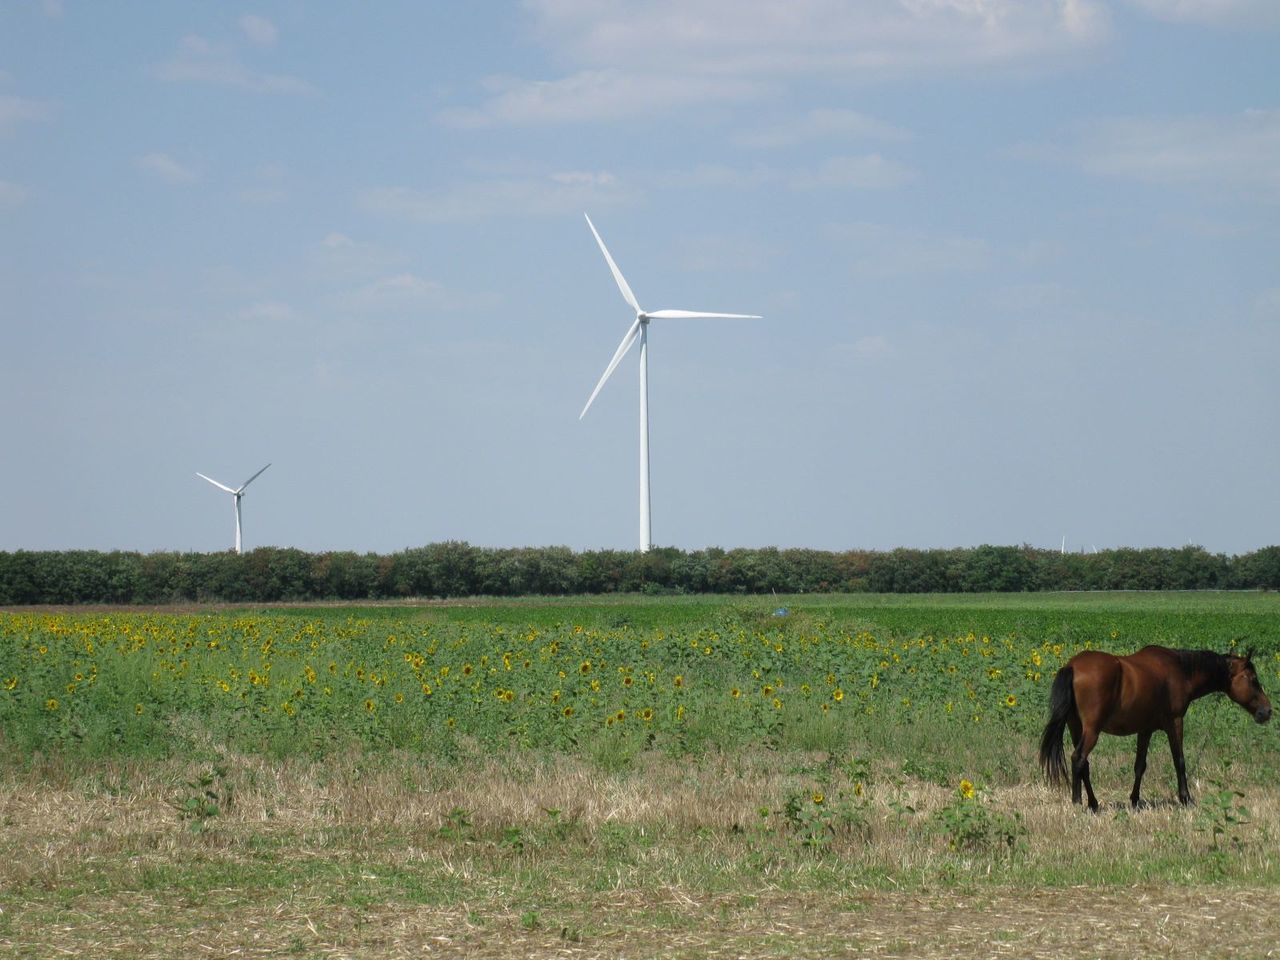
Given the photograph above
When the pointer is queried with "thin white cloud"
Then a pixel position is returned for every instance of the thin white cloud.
(259, 30)
(167, 168)
(720, 176)
(268, 312)
(556, 194)
(640, 58)
(1219, 12)
(858, 172)
(819, 124)
(868, 349)
(337, 241)
(1034, 299)
(1267, 305)
(869, 172)
(805, 37)
(350, 261)
(1240, 151)
(879, 250)
(200, 61)
(595, 95)
(269, 186)
(15, 110)
(407, 292)
(395, 292)
(11, 195)
(724, 252)
(263, 195)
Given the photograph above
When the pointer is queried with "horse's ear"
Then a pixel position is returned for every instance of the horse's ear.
(1248, 656)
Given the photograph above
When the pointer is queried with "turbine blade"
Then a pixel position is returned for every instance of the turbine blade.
(697, 315)
(621, 352)
(251, 479)
(220, 486)
(617, 274)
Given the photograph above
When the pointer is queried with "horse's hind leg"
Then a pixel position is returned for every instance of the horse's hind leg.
(1085, 740)
(1139, 767)
(1073, 724)
(1174, 733)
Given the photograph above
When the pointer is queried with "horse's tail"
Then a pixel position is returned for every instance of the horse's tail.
(1062, 701)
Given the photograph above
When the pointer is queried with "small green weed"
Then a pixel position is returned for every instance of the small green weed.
(559, 825)
(456, 826)
(835, 805)
(1220, 814)
(207, 796)
(969, 824)
(513, 840)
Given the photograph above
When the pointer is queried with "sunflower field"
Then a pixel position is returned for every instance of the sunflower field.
(315, 682)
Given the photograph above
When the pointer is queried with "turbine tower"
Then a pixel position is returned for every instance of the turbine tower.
(639, 330)
(237, 494)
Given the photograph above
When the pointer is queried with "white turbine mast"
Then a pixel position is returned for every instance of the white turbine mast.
(237, 494)
(639, 330)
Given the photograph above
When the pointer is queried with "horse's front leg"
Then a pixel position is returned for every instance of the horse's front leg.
(1174, 732)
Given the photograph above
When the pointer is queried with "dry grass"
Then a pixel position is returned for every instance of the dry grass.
(1181, 923)
(346, 858)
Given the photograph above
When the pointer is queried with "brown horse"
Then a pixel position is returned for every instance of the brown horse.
(1097, 693)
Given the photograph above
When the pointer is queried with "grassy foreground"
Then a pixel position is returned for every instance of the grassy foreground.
(507, 858)
(905, 831)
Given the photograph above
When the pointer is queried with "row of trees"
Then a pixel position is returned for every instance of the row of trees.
(455, 569)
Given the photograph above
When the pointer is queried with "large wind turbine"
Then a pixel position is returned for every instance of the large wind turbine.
(639, 330)
(238, 493)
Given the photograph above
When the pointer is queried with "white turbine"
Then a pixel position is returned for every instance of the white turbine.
(639, 330)
(237, 494)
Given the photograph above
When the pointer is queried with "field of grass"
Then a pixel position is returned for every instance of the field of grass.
(617, 777)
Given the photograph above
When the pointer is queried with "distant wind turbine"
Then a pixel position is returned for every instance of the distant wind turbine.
(639, 330)
(237, 494)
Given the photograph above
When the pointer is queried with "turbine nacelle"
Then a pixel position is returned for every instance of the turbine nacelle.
(636, 330)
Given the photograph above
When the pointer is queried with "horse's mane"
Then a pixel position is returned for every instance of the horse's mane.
(1213, 665)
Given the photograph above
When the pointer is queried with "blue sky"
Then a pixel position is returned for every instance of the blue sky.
(1018, 265)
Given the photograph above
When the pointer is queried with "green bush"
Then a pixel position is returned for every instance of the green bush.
(458, 569)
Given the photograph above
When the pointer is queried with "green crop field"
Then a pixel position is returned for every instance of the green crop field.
(616, 776)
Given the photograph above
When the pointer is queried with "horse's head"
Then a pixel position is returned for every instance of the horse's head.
(1245, 689)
